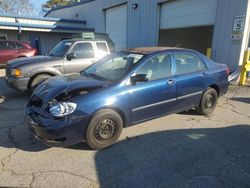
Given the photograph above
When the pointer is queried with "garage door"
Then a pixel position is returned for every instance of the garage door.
(187, 13)
(116, 25)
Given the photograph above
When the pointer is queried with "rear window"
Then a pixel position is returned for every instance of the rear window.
(102, 46)
(20, 46)
(188, 63)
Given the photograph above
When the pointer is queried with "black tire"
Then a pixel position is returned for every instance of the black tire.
(38, 80)
(104, 129)
(208, 102)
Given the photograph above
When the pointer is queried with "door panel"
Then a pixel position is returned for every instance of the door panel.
(189, 90)
(157, 96)
(152, 99)
(77, 65)
(191, 75)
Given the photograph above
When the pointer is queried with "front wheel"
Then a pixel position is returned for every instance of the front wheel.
(208, 102)
(104, 129)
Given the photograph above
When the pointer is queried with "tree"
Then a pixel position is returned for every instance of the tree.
(17, 7)
(56, 3)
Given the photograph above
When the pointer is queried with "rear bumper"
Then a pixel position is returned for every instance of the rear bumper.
(224, 88)
(58, 132)
(20, 84)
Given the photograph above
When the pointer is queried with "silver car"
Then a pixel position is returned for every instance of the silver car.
(69, 56)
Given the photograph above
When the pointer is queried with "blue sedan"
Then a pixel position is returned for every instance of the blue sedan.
(123, 89)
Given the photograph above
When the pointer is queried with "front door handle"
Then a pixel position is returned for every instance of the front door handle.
(204, 74)
(171, 82)
(57, 66)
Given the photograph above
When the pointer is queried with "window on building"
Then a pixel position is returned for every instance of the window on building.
(3, 37)
(83, 50)
(157, 67)
(188, 63)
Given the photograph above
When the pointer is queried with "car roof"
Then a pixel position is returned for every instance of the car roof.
(149, 50)
(85, 40)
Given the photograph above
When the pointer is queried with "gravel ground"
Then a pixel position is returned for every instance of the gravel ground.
(180, 150)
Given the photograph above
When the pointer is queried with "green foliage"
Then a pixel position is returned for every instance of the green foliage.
(55, 3)
(24, 7)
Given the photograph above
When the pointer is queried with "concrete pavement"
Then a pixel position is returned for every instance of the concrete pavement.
(180, 150)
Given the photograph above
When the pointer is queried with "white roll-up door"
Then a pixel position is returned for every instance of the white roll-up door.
(116, 25)
(188, 13)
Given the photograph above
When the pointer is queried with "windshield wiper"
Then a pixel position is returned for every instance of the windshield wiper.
(95, 76)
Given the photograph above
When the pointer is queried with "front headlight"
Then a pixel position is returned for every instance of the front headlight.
(62, 109)
(16, 72)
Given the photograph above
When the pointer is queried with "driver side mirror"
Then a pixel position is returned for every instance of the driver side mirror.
(138, 78)
(71, 56)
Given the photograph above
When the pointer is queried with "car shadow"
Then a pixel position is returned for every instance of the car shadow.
(241, 99)
(215, 157)
(191, 112)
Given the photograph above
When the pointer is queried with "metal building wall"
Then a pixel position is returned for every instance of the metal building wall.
(143, 24)
(47, 40)
(226, 50)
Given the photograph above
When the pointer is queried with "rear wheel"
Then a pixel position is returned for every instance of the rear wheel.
(38, 80)
(208, 102)
(104, 129)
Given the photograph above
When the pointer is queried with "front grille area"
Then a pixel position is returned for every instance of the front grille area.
(8, 71)
(35, 101)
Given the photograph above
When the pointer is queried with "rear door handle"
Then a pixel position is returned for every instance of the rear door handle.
(171, 82)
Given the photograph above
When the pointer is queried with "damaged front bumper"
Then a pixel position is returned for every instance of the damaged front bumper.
(62, 132)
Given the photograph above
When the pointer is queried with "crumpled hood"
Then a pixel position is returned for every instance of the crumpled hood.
(65, 84)
(28, 60)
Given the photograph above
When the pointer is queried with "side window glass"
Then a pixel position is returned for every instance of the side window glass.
(11, 45)
(83, 50)
(20, 46)
(7, 45)
(101, 46)
(157, 67)
(188, 63)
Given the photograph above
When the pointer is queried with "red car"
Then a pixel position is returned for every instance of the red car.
(15, 49)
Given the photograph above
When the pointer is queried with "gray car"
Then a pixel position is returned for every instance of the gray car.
(68, 56)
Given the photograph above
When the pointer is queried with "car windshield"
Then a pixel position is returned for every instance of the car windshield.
(113, 67)
(60, 49)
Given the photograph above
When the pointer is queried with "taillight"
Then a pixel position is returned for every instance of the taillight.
(227, 70)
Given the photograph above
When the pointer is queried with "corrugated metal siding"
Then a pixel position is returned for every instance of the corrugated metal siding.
(188, 13)
(116, 25)
(226, 50)
(47, 40)
(143, 24)
(92, 12)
